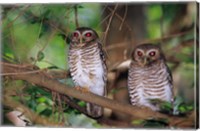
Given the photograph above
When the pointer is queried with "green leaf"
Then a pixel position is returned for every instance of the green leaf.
(40, 56)
(166, 107)
(52, 67)
(182, 109)
(41, 100)
(82, 103)
(80, 6)
(190, 107)
(159, 123)
(154, 12)
(32, 104)
(137, 122)
(41, 107)
(46, 112)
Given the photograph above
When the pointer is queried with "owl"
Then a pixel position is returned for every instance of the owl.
(149, 77)
(87, 65)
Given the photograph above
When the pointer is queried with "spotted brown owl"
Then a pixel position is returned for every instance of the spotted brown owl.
(149, 77)
(87, 65)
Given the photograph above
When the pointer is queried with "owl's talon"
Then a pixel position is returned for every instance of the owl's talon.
(82, 89)
(85, 89)
(78, 88)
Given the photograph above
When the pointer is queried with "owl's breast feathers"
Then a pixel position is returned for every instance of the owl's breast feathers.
(149, 83)
(86, 67)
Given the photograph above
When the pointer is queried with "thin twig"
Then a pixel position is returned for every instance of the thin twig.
(166, 37)
(104, 19)
(102, 11)
(45, 45)
(76, 16)
(109, 23)
(120, 18)
(20, 73)
(51, 73)
(15, 65)
(48, 40)
(169, 37)
(12, 41)
(125, 14)
(40, 28)
(20, 14)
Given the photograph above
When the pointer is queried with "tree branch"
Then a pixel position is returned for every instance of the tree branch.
(54, 85)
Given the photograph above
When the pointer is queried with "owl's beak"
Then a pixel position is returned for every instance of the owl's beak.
(81, 41)
(144, 62)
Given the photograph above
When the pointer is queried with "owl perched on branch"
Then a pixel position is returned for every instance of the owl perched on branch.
(87, 65)
(149, 77)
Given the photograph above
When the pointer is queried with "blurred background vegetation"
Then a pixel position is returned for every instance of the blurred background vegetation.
(37, 34)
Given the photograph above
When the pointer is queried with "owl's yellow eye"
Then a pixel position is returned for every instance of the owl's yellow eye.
(139, 53)
(152, 53)
(88, 34)
(75, 34)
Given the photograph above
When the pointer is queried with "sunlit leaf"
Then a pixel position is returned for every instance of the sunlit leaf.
(41, 107)
(82, 103)
(41, 99)
(137, 122)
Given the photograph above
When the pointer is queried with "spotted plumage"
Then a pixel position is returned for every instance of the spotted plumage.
(149, 77)
(87, 65)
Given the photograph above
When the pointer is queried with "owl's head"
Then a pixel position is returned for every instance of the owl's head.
(147, 54)
(83, 36)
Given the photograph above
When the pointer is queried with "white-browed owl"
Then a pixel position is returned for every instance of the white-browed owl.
(149, 77)
(87, 65)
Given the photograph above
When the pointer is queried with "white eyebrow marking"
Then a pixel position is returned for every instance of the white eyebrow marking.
(87, 31)
(140, 50)
(151, 51)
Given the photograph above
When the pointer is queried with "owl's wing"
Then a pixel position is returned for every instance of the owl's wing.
(102, 53)
(102, 56)
(170, 78)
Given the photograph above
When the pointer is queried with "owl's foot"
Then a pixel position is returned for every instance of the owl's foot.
(85, 89)
(78, 88)
(82, 89)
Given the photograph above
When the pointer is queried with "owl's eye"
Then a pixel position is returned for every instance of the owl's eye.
(139, 53)
(75, 34)
(152, 53)
(88, 34)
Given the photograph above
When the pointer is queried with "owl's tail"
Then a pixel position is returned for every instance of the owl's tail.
(94, 110)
